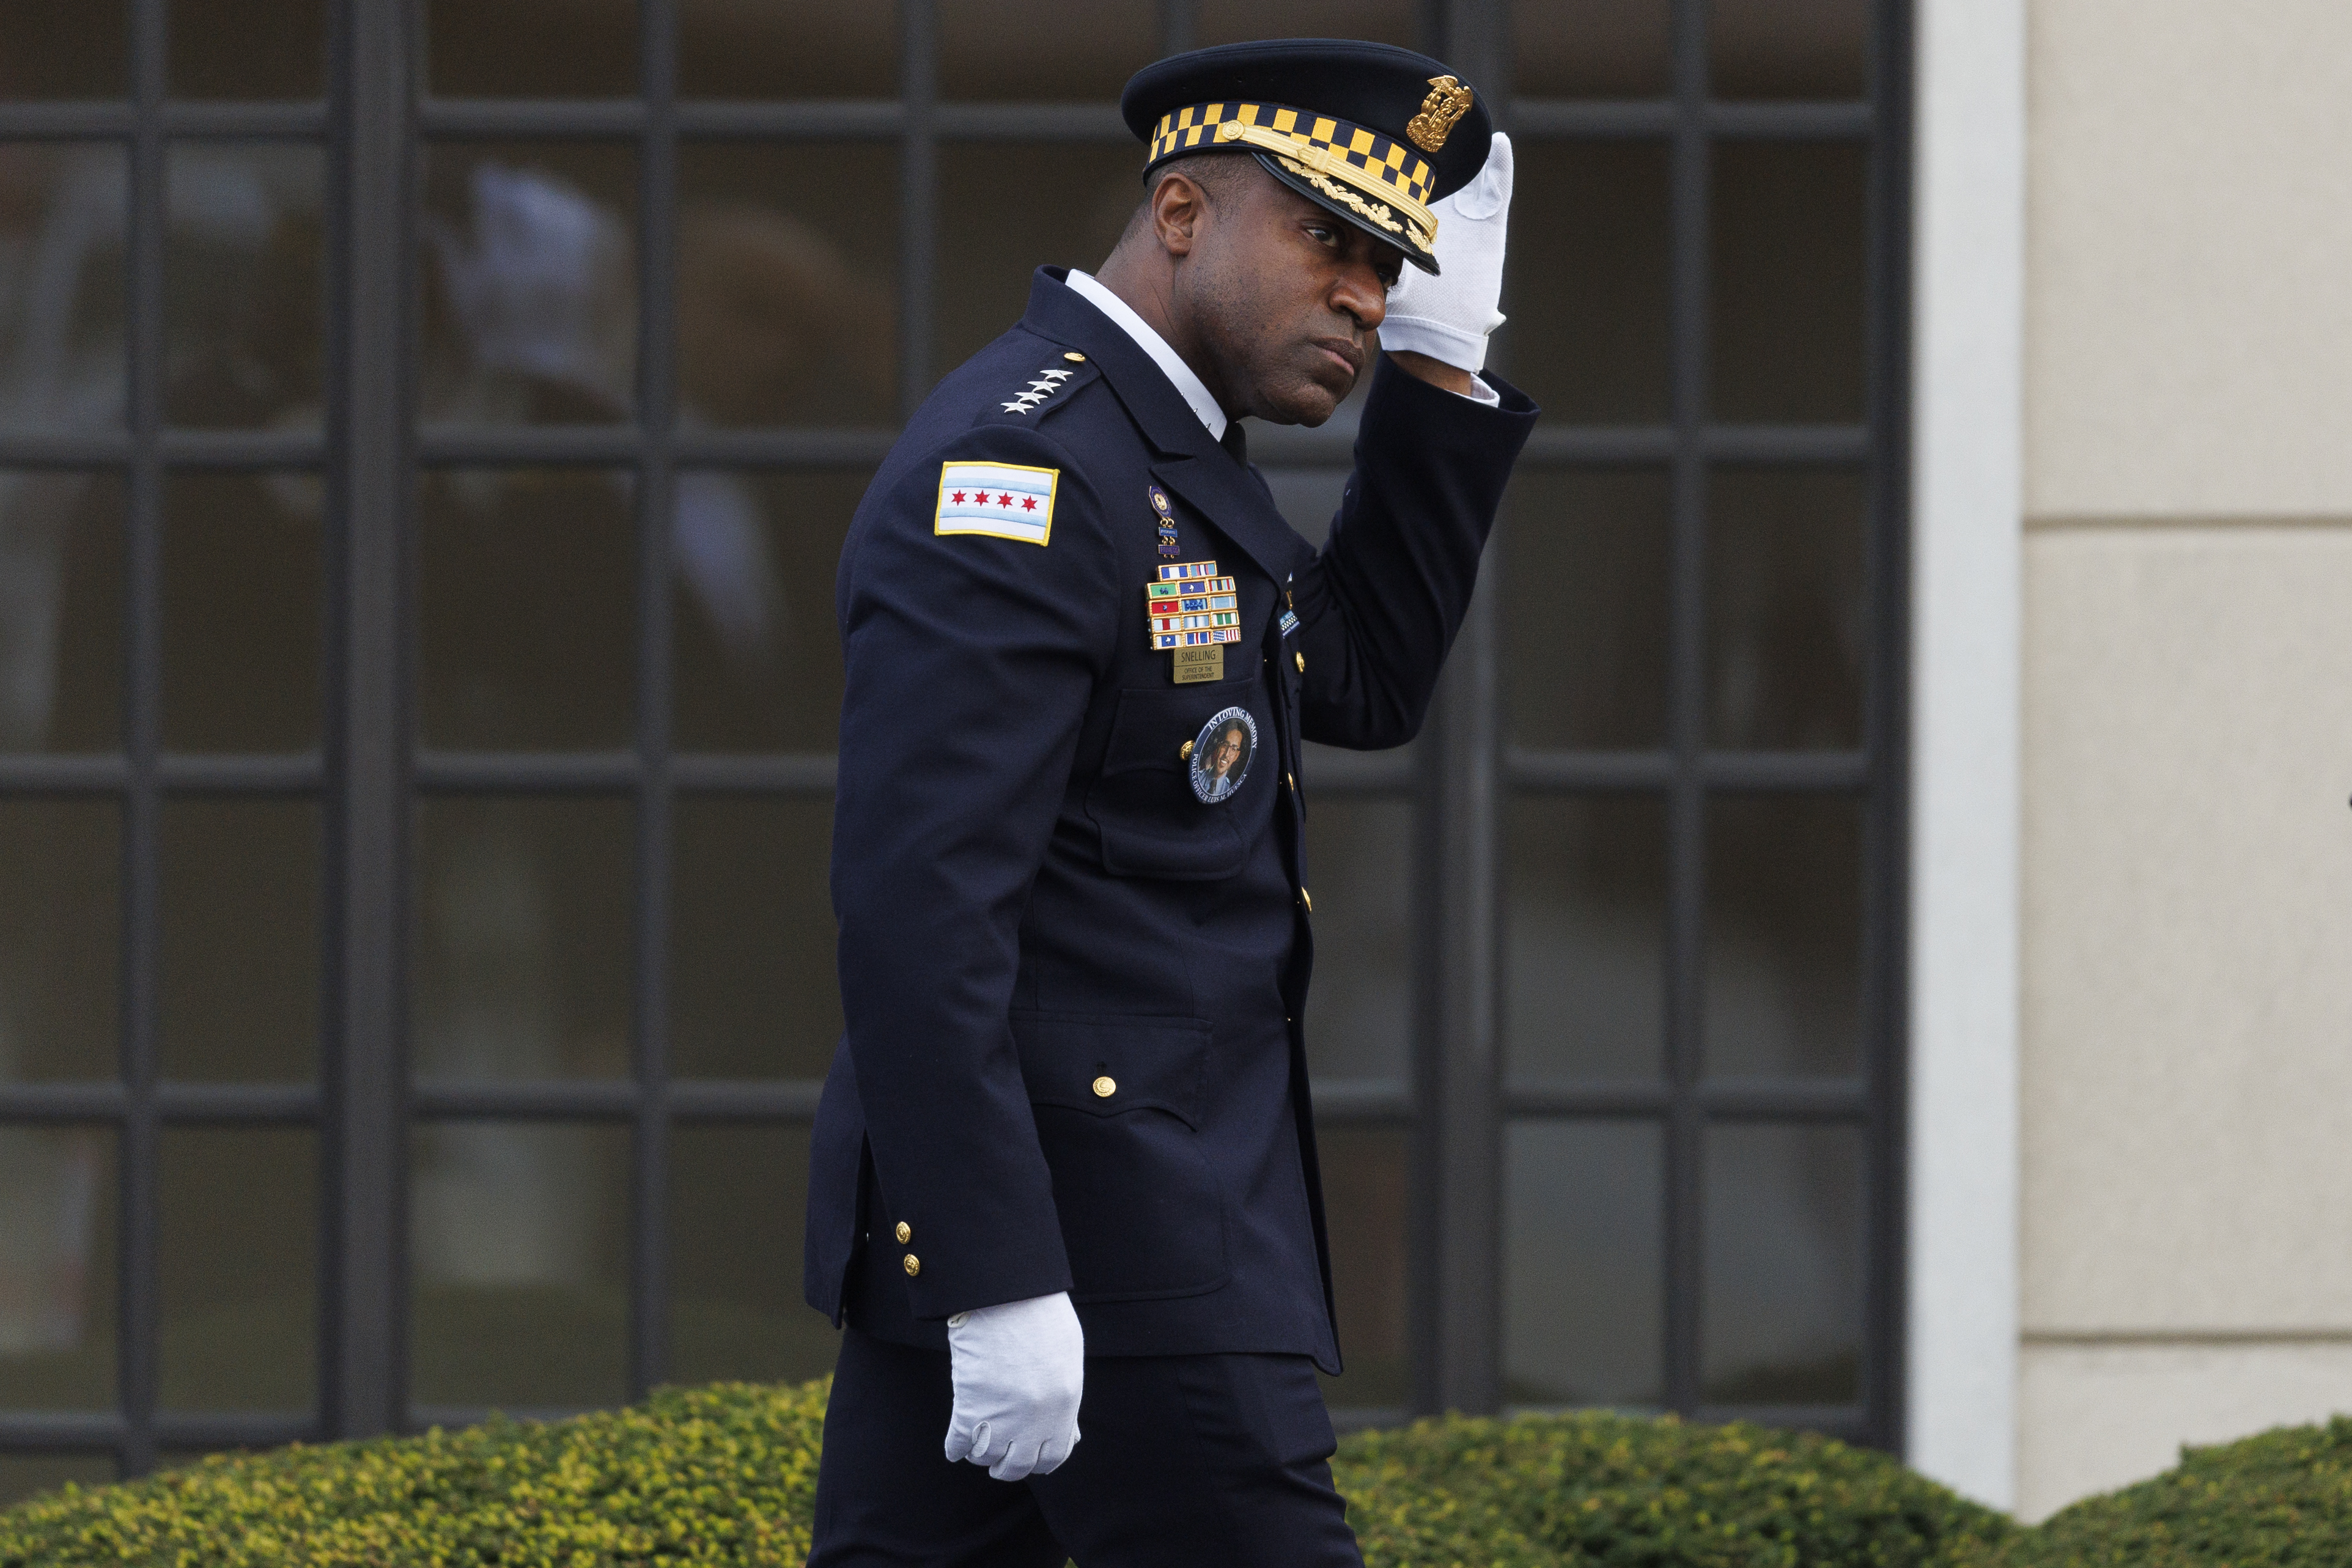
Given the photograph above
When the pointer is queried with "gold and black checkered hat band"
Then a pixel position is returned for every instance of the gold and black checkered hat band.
(1347, 162)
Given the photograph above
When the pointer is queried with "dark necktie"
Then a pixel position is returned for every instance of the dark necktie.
(1235, 442)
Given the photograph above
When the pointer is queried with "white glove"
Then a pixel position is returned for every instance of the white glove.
(1019, 1369)
(1448, 316)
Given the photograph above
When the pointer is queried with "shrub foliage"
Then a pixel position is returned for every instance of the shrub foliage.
(1612, 1491)
(2280, 1499)
(728, 1475)
(720, 1474)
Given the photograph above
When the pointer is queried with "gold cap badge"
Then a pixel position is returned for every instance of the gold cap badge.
(1447, 102)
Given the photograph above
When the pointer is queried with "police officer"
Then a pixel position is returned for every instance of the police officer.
(1063, 1190)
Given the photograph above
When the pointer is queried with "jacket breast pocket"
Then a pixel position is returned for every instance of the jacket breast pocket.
(1118, 1103)
(1141, 802)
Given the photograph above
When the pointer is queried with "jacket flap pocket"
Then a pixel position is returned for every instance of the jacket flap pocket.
(1148, 732)
(1149, 823)
(1109, 1063)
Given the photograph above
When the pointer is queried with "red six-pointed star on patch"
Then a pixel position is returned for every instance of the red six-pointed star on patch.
(1028, 503)
(959, 498)
(1005, 501)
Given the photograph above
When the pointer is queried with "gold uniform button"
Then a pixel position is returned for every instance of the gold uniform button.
(1105, 1088)
(913, 1265)
(1184, 752)
(1307, 899)
(1076, 359)
(905, 1233)
(1292, 780)
(1302, 661)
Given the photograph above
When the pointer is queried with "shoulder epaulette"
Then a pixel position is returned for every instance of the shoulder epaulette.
(1044, 392)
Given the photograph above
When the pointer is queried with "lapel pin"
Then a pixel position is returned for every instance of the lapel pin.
(1163, 512)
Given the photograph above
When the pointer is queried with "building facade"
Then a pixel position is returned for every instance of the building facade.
(425, 433)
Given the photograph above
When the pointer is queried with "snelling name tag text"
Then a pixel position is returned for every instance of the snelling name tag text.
(1195, 664)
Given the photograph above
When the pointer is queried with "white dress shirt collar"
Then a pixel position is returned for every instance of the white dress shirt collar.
(1084, 285)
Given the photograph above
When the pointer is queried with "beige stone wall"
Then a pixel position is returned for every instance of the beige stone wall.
(2187, 1030)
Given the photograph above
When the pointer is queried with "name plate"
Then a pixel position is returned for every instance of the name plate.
(1196, 664)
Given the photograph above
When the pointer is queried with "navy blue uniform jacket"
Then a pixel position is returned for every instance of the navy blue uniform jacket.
(1033, 905)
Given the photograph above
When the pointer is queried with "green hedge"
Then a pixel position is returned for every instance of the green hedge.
(1594, 1489)
(721, 1475)
(2280, 1499)
(727, 1474)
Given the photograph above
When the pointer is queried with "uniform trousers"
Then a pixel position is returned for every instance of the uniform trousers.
(1181, 1459)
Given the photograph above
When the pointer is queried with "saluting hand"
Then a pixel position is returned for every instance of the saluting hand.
(1449, 316)
(1019, 1370)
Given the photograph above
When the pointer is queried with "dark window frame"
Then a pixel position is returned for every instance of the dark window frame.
(369, 774)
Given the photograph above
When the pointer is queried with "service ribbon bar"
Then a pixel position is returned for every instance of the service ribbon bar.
(1190, 606)
(1164, 641)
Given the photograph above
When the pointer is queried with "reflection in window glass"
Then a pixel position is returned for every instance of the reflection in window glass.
(1788, 48)
(1583, 1263)
(531, 48)
(522, 958)
(61, 936)
(1588, 337)
(248, 48)
(1063, 204)
(763, 48)
(519, 1265)
(23, 1476)
(1059, 49)
(1783, 967)
(66, 49)
(1781, 1319)
(238, 1260)
(756, 665)
(242, 584)
(736, 1195)
(245, 288)
(1394, 22)
(64, 208)
(526, 609)
(752, 986)
(1587, 609)
(531, 282)
(1359, 1018)
(1584, 943)
(57, 1268)
(242, 947)
(61, 598)
(1367, 1199)
(787, 284)
(1786, 283)
(1787, 610)
(1591, 48)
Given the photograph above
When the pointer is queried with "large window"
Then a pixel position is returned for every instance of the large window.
(426, 431)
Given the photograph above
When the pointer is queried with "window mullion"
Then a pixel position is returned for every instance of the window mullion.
(1686, 799)
(917, 198)
(363, 1290)
(1461, 1141)
(657, 483)
(139, 1326)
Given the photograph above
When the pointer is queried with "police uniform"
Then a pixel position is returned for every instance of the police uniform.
(1074, 960)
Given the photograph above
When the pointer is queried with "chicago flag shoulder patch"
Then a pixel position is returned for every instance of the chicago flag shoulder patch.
(1002, 500)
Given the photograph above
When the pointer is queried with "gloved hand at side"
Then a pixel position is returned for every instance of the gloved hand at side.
(1448, 316)
(1019, 1369)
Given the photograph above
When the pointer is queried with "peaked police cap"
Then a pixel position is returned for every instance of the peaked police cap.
(1371, 131)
